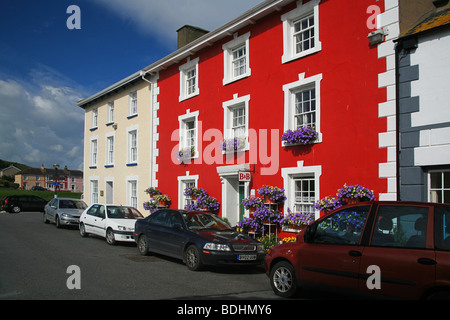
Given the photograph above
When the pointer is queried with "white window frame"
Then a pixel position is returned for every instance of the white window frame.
(289, 20)
(441, 189)
(183, 120)
(93, 159)
(110, 146)
(94, 118)
(132, 156)
(110, 112)
(228, 108)
(133, 104)
(93, 190)
(228, 49)
(290, 91)
(132, 191)
(184, 81)
(183, 181)
(290, 175)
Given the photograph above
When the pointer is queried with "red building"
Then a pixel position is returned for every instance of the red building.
(283, 65)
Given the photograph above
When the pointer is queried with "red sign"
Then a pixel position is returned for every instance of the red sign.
(245, 176)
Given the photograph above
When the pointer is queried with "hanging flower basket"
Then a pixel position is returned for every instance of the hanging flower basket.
(355, 193)
(163, 200)
(185, 154)
(297, 220)
(252, 203)
(233, 144)
(273, 194)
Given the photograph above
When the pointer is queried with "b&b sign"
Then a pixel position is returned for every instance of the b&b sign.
(245, 176)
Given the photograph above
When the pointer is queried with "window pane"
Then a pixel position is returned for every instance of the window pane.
(436, 179)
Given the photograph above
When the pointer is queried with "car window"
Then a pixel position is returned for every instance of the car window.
(52, 202)
(400, 226)
(101, 211)
(72, 204)
(442, 228)
(93, 210)
(120, 212)
(174, 218)
(343, 227)
(158, 217)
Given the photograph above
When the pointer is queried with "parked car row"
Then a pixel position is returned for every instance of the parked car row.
(396, 249)
(18, 203)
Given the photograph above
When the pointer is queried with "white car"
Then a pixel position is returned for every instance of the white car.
(110, 221)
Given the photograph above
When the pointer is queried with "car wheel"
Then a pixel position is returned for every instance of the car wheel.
(45, 218)
(110, 237)
(192, 258)
(83, 232)
(143, 245)
(15, 209)
(283, 280)
(57, 222)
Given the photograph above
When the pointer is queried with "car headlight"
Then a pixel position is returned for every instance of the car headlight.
(122, 228)
(216, 246)
(65, 215)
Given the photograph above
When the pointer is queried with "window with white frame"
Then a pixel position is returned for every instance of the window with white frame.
(236, 59)
(188, 134)
(301, 184)
(301, 31)
(236, 122)
(133, 109)
(94, 152)
(94, 191)
(132, 140)
(132, 193)
(109, 150)
(302, 104)
(94, 118)
(189, 79)
(110, 112)
(439, 186)
(184, 182)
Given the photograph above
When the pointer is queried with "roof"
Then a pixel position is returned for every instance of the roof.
(207, 40)
(434, 20)
(47, 171)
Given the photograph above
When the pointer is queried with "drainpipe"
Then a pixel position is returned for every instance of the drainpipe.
(143, 74)
(397, 116)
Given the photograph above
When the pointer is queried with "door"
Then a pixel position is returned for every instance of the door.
(241, 198)
(401, 247)
(174, 234)
(109, 196)
(154, 231)
(333, 254)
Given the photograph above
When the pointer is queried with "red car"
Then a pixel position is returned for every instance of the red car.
(395, 249)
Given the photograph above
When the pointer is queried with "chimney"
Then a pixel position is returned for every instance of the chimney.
(187, 34)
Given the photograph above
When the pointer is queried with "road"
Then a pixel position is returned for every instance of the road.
(35, 258)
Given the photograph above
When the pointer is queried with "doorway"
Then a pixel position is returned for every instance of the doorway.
(109, 196)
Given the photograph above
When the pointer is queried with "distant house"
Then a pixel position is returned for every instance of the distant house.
(9, 171)
(69, 180)
(423, 53)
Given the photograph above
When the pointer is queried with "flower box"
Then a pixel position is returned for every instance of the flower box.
(233, 144)
(301, 136)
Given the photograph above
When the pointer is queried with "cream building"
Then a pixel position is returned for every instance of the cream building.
(119, 143)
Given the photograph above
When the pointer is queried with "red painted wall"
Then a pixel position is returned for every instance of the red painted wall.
(350, 125)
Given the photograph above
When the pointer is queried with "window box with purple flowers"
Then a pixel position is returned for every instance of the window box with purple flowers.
(233, 144)
(301, 136)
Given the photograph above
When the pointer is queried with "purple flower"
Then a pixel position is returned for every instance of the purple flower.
(303, 135)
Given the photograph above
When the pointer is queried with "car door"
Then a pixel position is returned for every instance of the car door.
(154, 231)
(100, 221)
(173, 235)
(89, 219)
(332, 254)
(401, 251)
(51, 209)
(442, 244)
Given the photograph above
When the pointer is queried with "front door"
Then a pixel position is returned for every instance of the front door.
(241, 198)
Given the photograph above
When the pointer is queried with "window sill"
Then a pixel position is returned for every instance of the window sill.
(92, 167)
(109, 165)
(235, 79)
(132, 116)
(132, 164)
(187, 97)
(292, 57)
(93, 129)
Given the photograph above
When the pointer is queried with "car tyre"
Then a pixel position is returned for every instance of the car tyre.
(110, 239)
(57, 222)
(45, 218)
(15, 209)
(192, 258)
(283, 280)
(83, 232)
(143, 246)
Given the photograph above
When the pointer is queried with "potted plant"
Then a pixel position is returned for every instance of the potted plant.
(304, 135)
(152, 191)
(233, 144)
(208, 203)
(327, 204)
(272, 194)
(297, 220)
(355, 193)
(185, 153)
(163, 200)
(252, 203)
(267, 215)
(194, 192)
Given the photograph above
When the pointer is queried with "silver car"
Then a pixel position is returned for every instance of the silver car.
(64, 211)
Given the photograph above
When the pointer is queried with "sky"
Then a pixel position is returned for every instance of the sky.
(45, 67)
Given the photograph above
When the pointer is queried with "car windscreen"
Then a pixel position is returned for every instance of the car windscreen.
(72, 204)
(119, 212)
(197, 221)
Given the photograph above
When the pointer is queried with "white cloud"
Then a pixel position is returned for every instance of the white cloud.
(41, 123)
(163, 18)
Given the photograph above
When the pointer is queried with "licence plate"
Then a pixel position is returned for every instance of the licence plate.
(247, 257)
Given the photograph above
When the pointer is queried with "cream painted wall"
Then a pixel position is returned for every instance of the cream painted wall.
(120, 172)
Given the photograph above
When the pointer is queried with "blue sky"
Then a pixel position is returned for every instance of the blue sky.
(45, 68)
